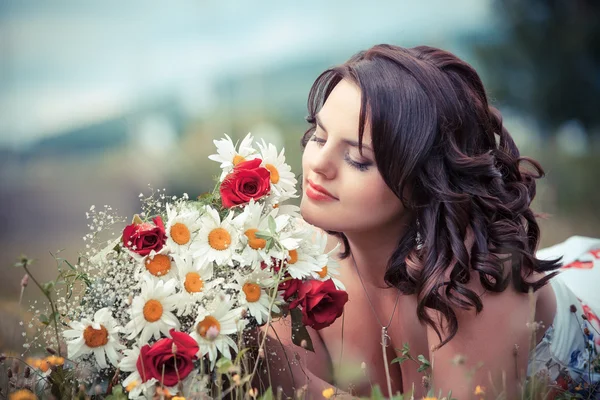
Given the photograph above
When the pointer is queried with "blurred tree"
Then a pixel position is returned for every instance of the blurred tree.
(547, 60)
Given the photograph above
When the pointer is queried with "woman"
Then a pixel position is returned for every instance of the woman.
(411, 170)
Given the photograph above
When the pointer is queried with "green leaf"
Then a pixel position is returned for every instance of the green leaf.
(268, 395)
(422, 368)
(299, 331)
(44, 319)
(70, 265)
(117, 394)
(269, 244)
(47, 287)
(405, 349)
(376, 393)
(422, 358)
(399, 360)
(223, 364)
(272, 225)
(263, 235)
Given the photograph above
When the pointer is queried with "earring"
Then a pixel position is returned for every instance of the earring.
(418, 238)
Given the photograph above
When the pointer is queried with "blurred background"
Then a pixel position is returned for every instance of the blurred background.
(100, 99)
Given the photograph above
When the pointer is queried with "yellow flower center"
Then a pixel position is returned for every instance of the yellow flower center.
(252, 292)
(153, 310)
(219, 239)
(207, 323)
(238, 159)
(274, 173)
(253, 241)
(159, 265)
(323, 272)
(132, 385)
(293, 258)
(180, 233)
(95, 337)
(193, 283)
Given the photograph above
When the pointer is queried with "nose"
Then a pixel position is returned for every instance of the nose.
(321, 161)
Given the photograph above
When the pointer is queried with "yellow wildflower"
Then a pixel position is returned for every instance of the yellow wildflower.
(327, 393)
(22, 394)
(479, 390)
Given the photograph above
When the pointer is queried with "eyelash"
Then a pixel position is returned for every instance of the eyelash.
(359, 166)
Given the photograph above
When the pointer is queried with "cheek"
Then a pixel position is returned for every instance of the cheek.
(371, 193)
(306, 157)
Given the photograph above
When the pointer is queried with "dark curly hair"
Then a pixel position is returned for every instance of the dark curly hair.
(435, 134)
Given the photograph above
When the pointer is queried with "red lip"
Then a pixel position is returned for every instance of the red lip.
(317, 192)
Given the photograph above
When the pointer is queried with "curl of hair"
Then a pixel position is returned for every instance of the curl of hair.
(434, 132)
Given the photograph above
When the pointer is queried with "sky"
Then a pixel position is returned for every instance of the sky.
(69, 63)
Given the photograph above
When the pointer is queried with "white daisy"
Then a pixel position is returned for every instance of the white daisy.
(182, 226)
(99, 337)
(135, 385)
(158, 265)
(217, 240)
(283, 181)
(254, 296)
(195, 279)
(251, 221)
(331, 268)
(213, 325)
(151, 311)
(303, 256)
(229, 157)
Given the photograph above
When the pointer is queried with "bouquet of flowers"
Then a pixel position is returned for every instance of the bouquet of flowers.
(161, 307)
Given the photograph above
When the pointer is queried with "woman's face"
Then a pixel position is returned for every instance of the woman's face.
(342, 189)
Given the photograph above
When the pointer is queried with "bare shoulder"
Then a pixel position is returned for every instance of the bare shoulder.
(491, 344)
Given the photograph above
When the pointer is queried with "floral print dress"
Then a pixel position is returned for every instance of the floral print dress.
(569, 352)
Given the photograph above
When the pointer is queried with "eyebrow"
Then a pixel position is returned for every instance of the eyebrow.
(352, 143)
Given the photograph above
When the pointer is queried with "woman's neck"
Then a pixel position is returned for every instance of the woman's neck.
(372, 251)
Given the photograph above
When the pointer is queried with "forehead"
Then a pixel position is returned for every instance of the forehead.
(341, 112)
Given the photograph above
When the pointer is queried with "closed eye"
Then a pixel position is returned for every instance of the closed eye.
(320, 142)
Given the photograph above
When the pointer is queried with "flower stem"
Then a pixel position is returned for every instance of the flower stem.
(47, 294)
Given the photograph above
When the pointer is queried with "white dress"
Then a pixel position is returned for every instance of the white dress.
(569, 350)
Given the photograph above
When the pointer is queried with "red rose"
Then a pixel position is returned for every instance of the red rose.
(290, 288)
(247, 181)
(321, 303)
(145, 237)
(159, 357)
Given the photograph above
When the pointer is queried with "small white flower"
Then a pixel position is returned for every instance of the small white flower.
(254, 296)
(303, 256)
(196, 282)
(182, 226)
(283, 181)
(251, 221)
(229, 157)
(217, 240)
(331, 268)
(212, 327)
(151, 311)
(99, 337)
